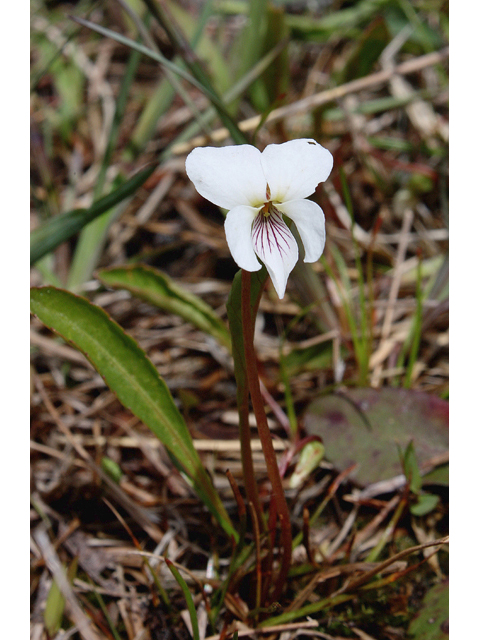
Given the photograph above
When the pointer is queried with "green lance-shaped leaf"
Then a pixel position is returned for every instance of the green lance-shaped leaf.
(157, 288)
(132, 377)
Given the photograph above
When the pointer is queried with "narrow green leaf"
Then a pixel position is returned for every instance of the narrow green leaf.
(90, 243)
(60, 228)
(132, 377)
(201, 82)
(157, 288)
(201, 79)
(165, 93)
(236, 90)
(105, 611)
(307, 610)
(188, 598)
(159, 102)
(345, 291)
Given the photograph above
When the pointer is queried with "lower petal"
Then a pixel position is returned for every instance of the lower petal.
(275, 245)
(310, 222)
(238, 230)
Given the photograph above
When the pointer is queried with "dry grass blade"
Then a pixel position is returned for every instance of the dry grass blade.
(358, 582)
(274, 629)
(372, 526)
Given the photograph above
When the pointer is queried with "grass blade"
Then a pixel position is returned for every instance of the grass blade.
(237, 135)
(188, 598)
(179, 145)
(60, 228)
(180, 44)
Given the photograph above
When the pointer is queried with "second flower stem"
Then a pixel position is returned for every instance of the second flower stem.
(278, 495)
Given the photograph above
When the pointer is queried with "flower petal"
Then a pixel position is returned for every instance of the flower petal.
(275, 245)
(238, 229)
(294, 169)
(228, 176)
(310, 222)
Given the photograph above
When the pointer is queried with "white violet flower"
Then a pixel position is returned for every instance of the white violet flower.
(257, 188)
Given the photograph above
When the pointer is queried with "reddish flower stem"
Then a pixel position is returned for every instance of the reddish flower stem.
(247, 458)
(265, 437)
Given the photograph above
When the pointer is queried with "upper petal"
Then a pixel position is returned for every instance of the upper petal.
(228, 176)
(276, 247)
(310, 222)
(294, 169)
(238, 229)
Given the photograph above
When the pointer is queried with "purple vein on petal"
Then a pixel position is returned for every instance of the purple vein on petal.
(270, 231)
